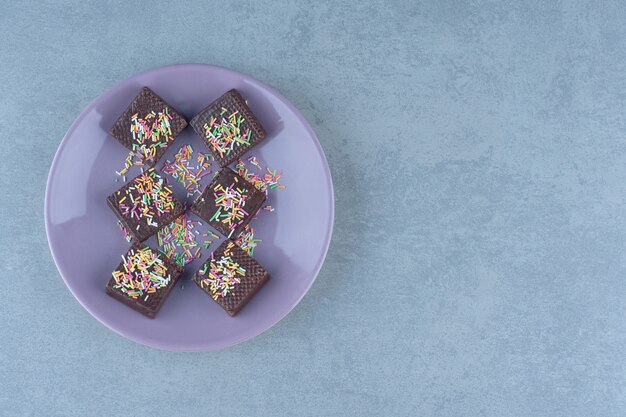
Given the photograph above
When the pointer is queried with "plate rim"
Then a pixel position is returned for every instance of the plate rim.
(328, 234)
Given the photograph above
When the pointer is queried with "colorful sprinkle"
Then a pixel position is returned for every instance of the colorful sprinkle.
(268, 181)
(221, 275)
(145, 198)
(179, 240)
(142, 272)
(254, 162)
(246, 240)
(230, 203)
(151, 132)
(184, 171)
(132, 160)
(124, 231)
(225, 134)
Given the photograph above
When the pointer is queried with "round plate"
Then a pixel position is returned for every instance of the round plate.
(86, 243)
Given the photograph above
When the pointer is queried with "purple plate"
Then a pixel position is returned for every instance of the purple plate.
(86, 243)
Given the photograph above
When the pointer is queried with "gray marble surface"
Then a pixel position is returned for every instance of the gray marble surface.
(478, 261)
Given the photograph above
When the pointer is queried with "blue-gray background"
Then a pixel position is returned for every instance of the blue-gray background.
(478, 262)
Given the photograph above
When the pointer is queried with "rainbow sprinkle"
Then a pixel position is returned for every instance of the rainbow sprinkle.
(132, 159)
(124, 231)
(266, 182)
(221, 275)
(246, 240)
(183, 171)
(225, 134)
(142, 272)
(207, 242)
(151, 132)
(180, 234)
(230, 202)
(254, 162)
(145, 197)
